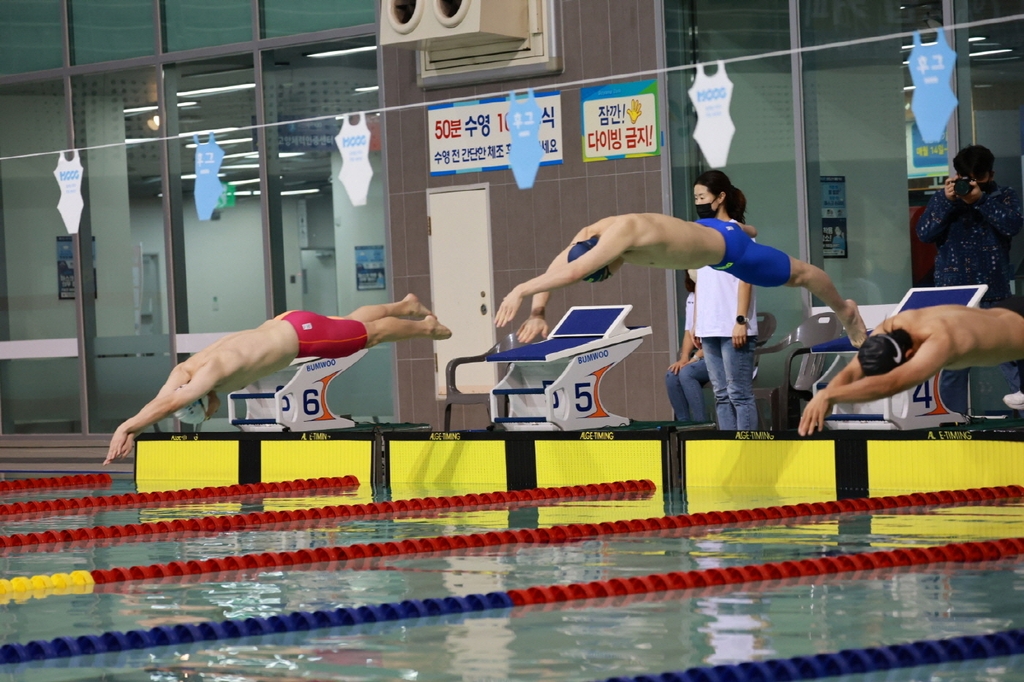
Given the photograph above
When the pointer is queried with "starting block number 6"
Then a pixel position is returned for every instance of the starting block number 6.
(314, 400)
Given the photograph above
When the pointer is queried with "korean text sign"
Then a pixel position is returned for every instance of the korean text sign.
(473, 136)
(620, 121)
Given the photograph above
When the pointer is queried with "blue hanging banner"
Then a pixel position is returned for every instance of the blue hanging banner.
(525, 153)
(931, 67)
(207, 190)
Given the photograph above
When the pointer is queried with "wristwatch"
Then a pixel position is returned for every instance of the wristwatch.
(740, 319)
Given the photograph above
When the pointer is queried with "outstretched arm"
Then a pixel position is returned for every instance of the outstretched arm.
(851, 386)
(612, 244)
(201, 383)
(536, 324)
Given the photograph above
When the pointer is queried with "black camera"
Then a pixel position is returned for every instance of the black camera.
(962, 187)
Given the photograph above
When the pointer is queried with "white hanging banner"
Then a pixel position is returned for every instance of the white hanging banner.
(711, 96)
(353, 142)
(69, 178)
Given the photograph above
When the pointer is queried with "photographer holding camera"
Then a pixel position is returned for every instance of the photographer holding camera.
(971, 222)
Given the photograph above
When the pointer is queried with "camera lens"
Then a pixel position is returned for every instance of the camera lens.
(962, 187)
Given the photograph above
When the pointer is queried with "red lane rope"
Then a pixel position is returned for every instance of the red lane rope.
(76, 481)
(73, 504)
(959, 552)
(554, 534)
(259, 520)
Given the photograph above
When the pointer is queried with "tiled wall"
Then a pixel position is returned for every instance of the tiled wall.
(600, 38)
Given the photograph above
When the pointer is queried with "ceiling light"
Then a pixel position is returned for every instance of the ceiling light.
(909, 87)
(215, 91)
(988, 52)
(243, 182)
(237, 140)
(207, 132)
(342, 53)
(291, 192)
(974, 39)
(242, 165)
(911, 47)
(139, 110)
(370, 88)
(154, 122)
(182, 105)
(247, 193)
(192, 176)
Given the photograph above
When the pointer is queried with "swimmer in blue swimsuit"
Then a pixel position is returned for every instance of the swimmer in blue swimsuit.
(661, 241)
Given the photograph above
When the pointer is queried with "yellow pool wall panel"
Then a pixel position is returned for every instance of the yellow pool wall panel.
(929, 465)
(766, 464)
(212, 462)
(288, 460)
(449, 462)
(579, 462)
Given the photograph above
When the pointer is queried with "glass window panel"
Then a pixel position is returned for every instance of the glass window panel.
(30, 36)
(130, 354)
(224, 257)
(104, 30)
(320, 228)
(289, 17)
(856, 123)
(190, 24)
(35, 394)
(990, 86)
(762, 159)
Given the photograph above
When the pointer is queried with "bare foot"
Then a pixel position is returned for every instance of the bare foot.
(854, 324)
(437, 330)
(417, 309)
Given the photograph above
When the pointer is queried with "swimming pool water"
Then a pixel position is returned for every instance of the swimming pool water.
(583, 640)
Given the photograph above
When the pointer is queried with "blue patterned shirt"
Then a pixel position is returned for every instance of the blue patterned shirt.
(973, 239)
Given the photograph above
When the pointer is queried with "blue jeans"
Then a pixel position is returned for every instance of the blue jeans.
(685, 391)
(732, 376)
(954, 384)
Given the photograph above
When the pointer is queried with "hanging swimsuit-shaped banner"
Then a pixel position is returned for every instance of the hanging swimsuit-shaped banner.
(525, 152)
(69, 178)
(353, 142)
(931, 67)
(208, 188)
(711, 97)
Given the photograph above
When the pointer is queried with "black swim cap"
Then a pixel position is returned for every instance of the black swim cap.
(580, 248)
(883, 353)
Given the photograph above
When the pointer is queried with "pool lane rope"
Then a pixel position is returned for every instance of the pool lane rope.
(164, 635)
(73, 504)
(260, 520)
(851, 661)
(76, 481)
(552, 535)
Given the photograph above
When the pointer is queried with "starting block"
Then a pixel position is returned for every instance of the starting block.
(293, 399)
(555, 384)
(920, 407)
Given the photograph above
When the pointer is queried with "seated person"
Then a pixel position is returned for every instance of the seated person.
(686, 378)
(914, 345)
(238, 359)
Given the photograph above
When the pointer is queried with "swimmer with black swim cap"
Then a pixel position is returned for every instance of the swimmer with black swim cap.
(883, 353)
(913, 346)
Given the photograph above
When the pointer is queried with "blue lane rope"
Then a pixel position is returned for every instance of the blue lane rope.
(851, 661)
(187, 633)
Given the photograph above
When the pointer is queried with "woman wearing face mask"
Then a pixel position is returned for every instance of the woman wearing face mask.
(725, 326)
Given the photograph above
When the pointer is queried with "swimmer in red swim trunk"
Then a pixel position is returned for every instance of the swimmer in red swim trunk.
(239, 359)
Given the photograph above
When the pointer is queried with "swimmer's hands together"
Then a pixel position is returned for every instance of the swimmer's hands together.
(509, 307)
(813, 418)
(120, 445)
(534, 326)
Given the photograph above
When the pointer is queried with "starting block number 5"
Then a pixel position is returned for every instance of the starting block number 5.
(586, 401)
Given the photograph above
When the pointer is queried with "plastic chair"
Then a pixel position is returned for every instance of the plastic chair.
(784, 399)
(766, 326)
(454, 395)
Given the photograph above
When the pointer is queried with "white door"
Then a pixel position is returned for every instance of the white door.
(461, 282)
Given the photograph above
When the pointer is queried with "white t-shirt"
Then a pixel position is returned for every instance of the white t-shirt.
(717, 294)
(688, 322)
